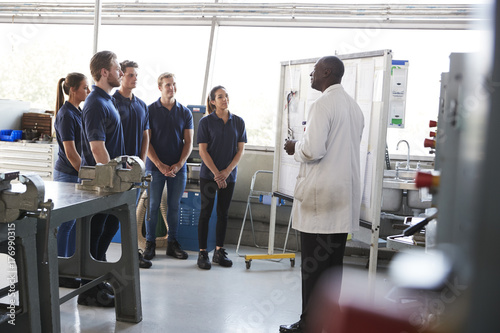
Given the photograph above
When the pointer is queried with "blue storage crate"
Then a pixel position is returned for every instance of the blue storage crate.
(10, 135)
(189, 214)
(187, 234)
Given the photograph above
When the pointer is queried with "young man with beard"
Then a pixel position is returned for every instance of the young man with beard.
(102, 140)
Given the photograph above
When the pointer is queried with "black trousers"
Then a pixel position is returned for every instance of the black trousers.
(320, 253)
(103, 229)
(208, 190)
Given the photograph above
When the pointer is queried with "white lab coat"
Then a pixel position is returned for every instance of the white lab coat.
(327, 196)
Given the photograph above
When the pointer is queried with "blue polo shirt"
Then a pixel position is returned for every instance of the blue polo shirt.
(68, 126)
(222, 140)
(167, 132)
(101, 122)
(134, 115)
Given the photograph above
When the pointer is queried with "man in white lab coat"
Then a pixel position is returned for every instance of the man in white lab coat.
(327, 194)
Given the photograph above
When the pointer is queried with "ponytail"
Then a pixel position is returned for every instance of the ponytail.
(72, 80)
(60, 94)
(211, 97)
(210, 106)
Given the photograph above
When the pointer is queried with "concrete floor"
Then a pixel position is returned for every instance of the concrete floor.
(178, 297)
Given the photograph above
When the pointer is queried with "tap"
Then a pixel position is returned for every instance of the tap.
(407, 156)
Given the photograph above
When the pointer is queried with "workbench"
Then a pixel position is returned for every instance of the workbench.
(69, 204)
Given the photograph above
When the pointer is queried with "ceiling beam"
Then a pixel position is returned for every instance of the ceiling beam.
(384, 16)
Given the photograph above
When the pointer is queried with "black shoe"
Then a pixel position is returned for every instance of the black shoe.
(220, 257)
(71, 283)
(297, 327)
(107, 287)
(96, 297)
(144, 263)
(174, 250)
(203, 261)
(150, 250)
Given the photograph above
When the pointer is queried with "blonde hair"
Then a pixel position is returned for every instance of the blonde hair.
(165, 75)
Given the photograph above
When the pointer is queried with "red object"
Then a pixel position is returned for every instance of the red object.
(423, 179)
(433, 123)
(429, 143)
(432, 134)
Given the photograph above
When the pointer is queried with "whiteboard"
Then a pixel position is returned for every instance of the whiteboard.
(367, 79)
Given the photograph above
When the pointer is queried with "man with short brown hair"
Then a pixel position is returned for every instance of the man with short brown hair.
(102, 140)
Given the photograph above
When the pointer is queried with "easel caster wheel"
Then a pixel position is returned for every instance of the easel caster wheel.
(248, 262)
(292, 262)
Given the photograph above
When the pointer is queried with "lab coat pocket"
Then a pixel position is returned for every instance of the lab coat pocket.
(299, 189)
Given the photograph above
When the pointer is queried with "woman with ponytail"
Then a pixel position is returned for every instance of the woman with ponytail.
(221, 139)
(68, 125)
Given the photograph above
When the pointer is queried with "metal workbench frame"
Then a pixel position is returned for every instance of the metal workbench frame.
(70, 203)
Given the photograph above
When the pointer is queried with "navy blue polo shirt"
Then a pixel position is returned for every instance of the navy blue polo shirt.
(134, 115)
(101, 122)
(68, 126)
(167, 132)
(222, 140)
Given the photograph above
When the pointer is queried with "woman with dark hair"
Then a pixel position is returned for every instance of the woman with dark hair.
(68, 126)
(221, 139)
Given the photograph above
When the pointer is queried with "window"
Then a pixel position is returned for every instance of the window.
(35, 56)
(158, 49)
(249, 60)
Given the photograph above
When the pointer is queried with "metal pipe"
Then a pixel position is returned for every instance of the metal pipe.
(97, 24)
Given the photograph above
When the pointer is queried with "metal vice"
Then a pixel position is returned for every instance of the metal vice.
(14, 204)
(18, 241)
(118, 175)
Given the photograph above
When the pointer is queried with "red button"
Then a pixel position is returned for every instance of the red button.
(429, 143)
(423, 179)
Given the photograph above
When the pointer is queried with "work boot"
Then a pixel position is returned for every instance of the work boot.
(174, 250)
(107, 287)
(96, 297)
(297, 327)
(220, 257)
(150, 250)
(144, 263)
(203, 261)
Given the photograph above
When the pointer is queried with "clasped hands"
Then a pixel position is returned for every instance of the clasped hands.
(169, 171)
(220, 178)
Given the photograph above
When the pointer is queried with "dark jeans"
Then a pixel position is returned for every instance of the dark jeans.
(103, 229)
(208, 190)
(320, 253)
(66, 233)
